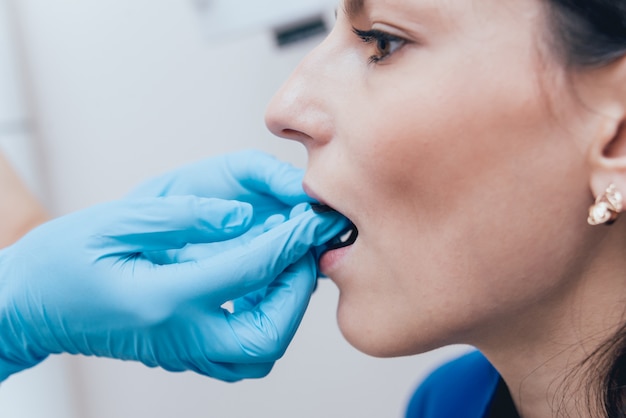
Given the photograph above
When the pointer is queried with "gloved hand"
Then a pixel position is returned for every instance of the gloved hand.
(271, 186)
(83, 284)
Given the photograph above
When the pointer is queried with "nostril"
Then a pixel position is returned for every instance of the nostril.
(294, 134)
(291, 132)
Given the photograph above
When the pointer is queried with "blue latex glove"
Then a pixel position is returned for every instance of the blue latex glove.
(271, 186)
(83, 284)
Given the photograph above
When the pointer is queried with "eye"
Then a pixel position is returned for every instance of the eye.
(385, 43)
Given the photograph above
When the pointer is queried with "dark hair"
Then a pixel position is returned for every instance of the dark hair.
(587, 34)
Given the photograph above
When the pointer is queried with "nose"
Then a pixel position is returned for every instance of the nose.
(300, 110)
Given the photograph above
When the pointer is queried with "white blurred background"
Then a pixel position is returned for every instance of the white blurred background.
(96, 96)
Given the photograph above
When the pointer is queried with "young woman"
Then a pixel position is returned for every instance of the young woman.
(467, 140)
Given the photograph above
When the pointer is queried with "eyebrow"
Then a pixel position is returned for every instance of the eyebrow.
(353, 8)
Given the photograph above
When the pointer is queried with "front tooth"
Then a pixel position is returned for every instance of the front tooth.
(345, 236)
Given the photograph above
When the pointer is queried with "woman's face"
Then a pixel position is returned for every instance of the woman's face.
(436, 131)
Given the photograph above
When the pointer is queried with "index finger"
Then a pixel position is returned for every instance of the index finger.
(262, 173)
(239, 271)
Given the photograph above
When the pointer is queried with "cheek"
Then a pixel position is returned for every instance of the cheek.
(467, 211)
(444, 134)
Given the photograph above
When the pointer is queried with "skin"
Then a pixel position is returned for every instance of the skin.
(20, 211)
(467, 159)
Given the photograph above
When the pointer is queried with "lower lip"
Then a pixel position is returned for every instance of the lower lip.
(331, 259)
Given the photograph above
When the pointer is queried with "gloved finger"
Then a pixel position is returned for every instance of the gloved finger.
(273, 221)
(258, 262)
(283, 307)
(233, 372)
(263, 173)
(250, 300)
(230, 176)
(264, 332)
(299, 210)
(202, 363)
(201, 251)
(144, 225)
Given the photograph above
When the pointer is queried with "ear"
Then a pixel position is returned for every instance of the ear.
(605, 94)
(607, 157)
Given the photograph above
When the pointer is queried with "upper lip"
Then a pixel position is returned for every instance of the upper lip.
(309, 191)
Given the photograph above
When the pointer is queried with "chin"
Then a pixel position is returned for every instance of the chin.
(372, 332)
(375, 338)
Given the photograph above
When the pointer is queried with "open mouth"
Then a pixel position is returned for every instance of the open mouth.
(345, 238)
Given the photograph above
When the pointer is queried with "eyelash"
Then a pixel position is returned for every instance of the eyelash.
(378, 37)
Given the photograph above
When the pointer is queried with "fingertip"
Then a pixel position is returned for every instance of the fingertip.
(299, 209)
(224, 217)
(273, 221)
(245, 210)
(242, 216)
(246, 215)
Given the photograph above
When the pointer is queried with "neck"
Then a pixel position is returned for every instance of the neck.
(546, 354)
(559, 384)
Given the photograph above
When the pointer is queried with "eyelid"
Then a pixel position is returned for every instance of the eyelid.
(376, 34)
(372, 35)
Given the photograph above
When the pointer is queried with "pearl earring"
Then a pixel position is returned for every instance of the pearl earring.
(607, 207)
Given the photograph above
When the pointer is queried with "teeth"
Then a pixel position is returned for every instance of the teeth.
(348, 237)
(345, 237)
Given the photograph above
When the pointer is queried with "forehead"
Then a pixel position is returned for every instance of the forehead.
(354, 7)
(451, 9)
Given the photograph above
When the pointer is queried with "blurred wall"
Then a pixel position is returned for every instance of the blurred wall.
(121, 90)
(50, 384)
